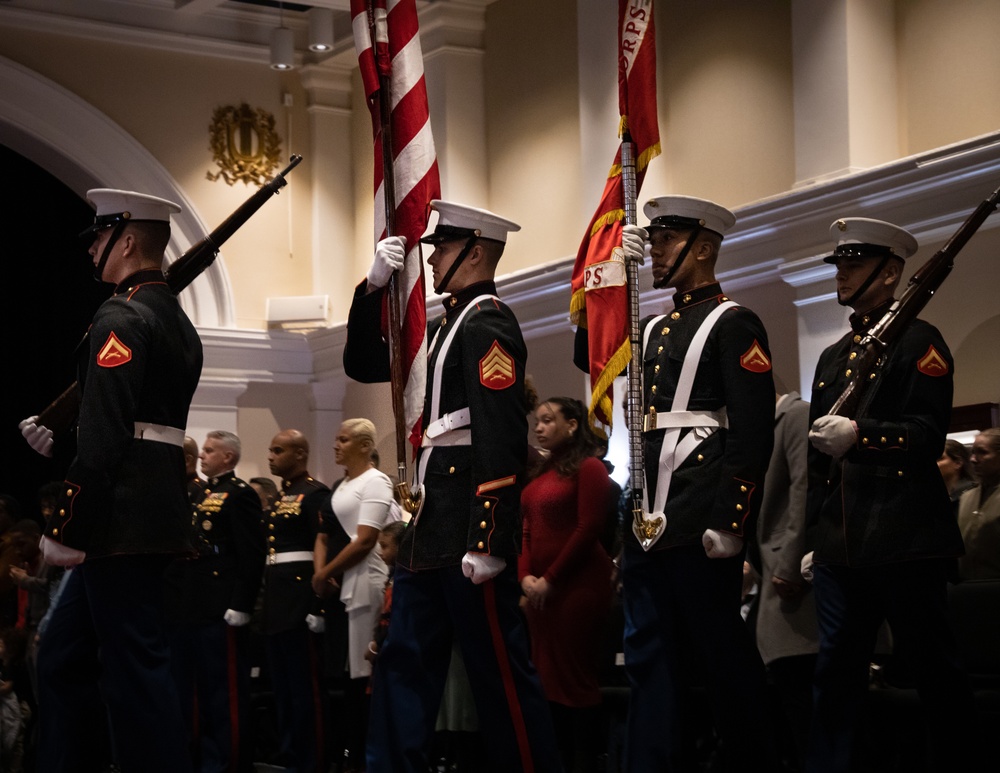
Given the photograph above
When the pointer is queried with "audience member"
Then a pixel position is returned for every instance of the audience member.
(565, 574)
(708, 403)
(956, 469)
(979, 511)
(210, 600)
(879, 515)
(14, 708)
(266, 490)
(360, 509)
(291, 611)
(786, 611)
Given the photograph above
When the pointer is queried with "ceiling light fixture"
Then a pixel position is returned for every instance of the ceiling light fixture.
(320, 29)
(282, 44)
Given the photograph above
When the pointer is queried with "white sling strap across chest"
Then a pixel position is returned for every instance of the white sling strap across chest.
(672, 453)
(446, 430)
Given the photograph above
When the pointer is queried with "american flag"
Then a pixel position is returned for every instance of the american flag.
(396, 55)
(599, 302)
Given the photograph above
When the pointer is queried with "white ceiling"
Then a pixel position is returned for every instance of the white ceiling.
(230, 28)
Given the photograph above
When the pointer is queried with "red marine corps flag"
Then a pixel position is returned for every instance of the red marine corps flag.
(599, 305)
(395, 63)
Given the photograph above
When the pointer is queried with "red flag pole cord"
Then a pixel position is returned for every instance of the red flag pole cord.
(379, 32)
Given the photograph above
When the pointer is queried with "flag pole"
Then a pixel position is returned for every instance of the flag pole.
(646, 529)
(379, 32)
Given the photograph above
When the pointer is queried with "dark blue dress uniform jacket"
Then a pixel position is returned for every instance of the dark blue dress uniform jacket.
(140, 362)
(886, 501)
(720, 484)
(230, 543)
(472, 494)
(291, 526)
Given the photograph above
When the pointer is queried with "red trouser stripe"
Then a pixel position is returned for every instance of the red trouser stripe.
(234, 699)
(317, 702)
(513, 704)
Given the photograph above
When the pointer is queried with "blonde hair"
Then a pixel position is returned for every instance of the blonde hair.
(361, 429)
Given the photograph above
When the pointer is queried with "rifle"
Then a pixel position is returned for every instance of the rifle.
(61, 414)
(919, 290)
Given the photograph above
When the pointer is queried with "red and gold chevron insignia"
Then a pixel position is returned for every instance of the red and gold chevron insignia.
(755, 360)
(496, 369)
(932, 363)
(113, 353)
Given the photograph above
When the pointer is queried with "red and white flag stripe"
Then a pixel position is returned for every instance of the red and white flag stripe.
(397, 53)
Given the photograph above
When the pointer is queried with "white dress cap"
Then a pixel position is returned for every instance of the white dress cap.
(687, 212)
(867, 238)
(458, 221)
(114, 206)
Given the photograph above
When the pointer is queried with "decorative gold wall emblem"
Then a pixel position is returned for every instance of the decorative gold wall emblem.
(244, 144)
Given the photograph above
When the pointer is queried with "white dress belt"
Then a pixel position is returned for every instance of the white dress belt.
(677, 419)
(289, 556)
(456, 437)
(160, 433)
(450, 421)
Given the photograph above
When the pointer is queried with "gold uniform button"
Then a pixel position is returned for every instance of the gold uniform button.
(486, 505)
(451, 470)
(69, 492)
(735, 525)
(848, 373)
(871, 376)
(854, 356)
(883, 441)
(653, 389)
(659, 349)
(62, 512)
(482, 524)
(656, 369)
(444, 322)
(452, 302)
(857, 339)
(298, 578)
(865, 320)
(270, 526)
(55, 531)
(821, 384)
(701, 457)
(743, 489)
(664, 331)
(901, 440)
(899, 473)
(271, 538)
(272, 551)
(687, 299)
(739, 508)
(215, 573)
(480, 545)
(675, 315)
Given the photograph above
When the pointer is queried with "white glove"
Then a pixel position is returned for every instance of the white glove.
(236, 619)
(806, 567)
(316, 623)
(57, 554)
(480, 567)
(634, 243)
(389, 256)
(39, 436)
(721, 544)
(833, 435)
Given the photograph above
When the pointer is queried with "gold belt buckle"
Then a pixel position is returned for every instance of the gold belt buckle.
(649, 420)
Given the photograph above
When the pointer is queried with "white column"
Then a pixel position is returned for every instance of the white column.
(452, 40)
(821, 320)
(328, 89)
(845, 92)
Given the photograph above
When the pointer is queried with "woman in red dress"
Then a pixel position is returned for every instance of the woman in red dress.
(566, 575)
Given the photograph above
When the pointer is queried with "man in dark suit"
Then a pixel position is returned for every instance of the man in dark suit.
(456, 573)
(880, 520)
(211, 598)
(124, 512)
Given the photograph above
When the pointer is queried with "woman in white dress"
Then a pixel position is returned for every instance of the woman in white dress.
(362, 505)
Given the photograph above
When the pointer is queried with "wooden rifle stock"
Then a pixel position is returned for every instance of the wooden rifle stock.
(61, 414)
(919, 290)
